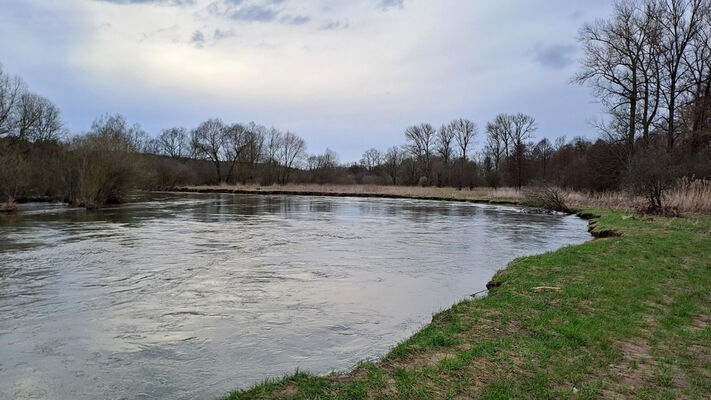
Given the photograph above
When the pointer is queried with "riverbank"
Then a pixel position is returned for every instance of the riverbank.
(619, 317)
(687, 196)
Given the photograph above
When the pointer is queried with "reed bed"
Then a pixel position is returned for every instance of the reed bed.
(688, 195)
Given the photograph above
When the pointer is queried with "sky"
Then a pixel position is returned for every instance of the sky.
(344, 74)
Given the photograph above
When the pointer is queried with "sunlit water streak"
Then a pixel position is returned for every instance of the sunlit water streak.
(189, 296)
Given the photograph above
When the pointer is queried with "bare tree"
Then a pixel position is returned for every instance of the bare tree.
(445, 139)
(392, 160)
(371, 159)
(11, 90)
(697, 62)
(292, 150)
(272, 143)
(207, 142)
(499, 137)
(28, 112)
(615, 53)
(115, 127)
(255, 136)
(420, 140)
(464, 133)
(48, 127)
(173, 142)
(36, 119)
(523, 128)
(680, 22)
(543, 152)
(234, 139)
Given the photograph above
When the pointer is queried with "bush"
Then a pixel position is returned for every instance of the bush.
(548, 196)
(650, 175)
(101, 170)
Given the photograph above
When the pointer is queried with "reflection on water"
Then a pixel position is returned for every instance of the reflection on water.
(190, 296)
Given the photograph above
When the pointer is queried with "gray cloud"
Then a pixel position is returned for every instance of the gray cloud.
(246, 10)
(159, 2)
(554, 56)
(220, 34)
(335, 25)
(254, 13)
(295, 19)
(198, 39)
(388, 4)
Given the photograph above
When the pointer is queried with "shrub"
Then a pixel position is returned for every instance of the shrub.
(548, 196)
(101, 170)
(651, 174)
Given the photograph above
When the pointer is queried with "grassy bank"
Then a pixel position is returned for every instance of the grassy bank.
(618, 317)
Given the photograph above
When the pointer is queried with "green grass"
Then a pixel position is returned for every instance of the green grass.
(631, 319)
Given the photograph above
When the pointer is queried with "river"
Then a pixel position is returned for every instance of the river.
(186, 296)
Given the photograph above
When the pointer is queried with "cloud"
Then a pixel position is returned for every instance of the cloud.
(335, 25)
(388, 4)
(198, 39)
(158, 2)
(220, 34)
(295, 19)
(554, 56)
(246, 10)
(254, 13)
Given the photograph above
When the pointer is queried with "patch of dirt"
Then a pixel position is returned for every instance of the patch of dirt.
(701, 322)
(289, 391)
(633, 370)
(701, 353)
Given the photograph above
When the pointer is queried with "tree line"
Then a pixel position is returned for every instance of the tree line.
(648, 64)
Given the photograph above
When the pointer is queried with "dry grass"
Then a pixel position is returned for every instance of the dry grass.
(688, 195)
(500, 193)
(691, 196)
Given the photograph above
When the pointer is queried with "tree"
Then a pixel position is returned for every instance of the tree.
(207, 142)
(614, 63)
(445, 139)
(102, 164)
(420, 141)
(370, 160)
(680, 22)
(697, 61)
(11, 90)
(498, 135)
(292, 149)
(272, 143)
(391, 161)
(464, 133)
(116, 127)
(543, 151)
(173, 143)
(255, 136)
(234, 138)
(523, 128)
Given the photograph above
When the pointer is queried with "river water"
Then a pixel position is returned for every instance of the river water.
(190, 296)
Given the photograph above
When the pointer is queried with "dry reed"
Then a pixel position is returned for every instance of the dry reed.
(688, 195)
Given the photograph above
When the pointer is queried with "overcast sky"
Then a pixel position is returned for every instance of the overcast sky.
(347, 75)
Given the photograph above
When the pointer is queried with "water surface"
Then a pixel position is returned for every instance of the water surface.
(190, 296)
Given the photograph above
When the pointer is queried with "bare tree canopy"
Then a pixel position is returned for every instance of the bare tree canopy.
(292, 150)
(420, 142)
(207, 142)
(173, 142)
(464, 133)
(444, 139)
(371, 159)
